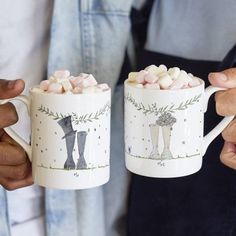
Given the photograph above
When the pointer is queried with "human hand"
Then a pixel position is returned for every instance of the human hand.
(15, 167)
(226, 106)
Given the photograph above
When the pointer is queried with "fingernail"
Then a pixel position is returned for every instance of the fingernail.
(219, 75)
(11, 84)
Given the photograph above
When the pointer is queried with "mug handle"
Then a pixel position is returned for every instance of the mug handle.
(208, 138)
(12, 133)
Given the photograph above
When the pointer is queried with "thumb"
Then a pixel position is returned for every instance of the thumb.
(11, 88)
(228, 155)
(224, 79)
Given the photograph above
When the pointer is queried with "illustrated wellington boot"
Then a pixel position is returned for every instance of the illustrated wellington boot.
(70, 141)
(81, 139)
(154, 132)
(166, 132)
(66, 125)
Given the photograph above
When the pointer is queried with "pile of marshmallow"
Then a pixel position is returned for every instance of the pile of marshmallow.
(62, 82)
(159, 77)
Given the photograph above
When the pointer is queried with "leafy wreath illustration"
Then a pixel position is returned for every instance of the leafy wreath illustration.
(77, 119)
(165, 121)
(152, 109)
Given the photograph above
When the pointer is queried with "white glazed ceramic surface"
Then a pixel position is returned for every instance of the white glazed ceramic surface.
(164, 130)
(70, 139)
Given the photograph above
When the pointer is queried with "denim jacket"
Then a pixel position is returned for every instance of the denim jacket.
(89, 36)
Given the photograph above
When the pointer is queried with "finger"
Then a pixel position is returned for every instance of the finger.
(16, 172)
(224, 79)
(229, 133)
(12, 154)
(225, 101)
(228, 155)
(9, 184)
(8, 115)
(11, 88)
(4, 137)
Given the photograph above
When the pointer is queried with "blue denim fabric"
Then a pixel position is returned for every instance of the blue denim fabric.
(4, 223)
(91, 36)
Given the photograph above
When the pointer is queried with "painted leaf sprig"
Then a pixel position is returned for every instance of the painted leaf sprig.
(77, 119)
(153, 109)
(54, 115)
(139, 106)
(92, 116)
(189, 102)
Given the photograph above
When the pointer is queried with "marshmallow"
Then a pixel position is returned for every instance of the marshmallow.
(185, 86)
(165, 81)
(132, 76)
(83, 75)
(156, 70)
(150, 78)
(190, 75)
(37, 90)
(153, 69)
(174, 72)
(184, 77)
(103, 87)
(163, 68)
(137, 85)
(66, 85)
(55, 88)
(140, 78)
(194, 82)
(177, 84)
(162, 74)
(88, 81)
(44, 85)
(153, 77)
(68, 92)
(52, 79)
(152, 86)
(91, 89)
(61, 74)
(75, 81)
(62, 82)
(77, 90)
(98, 90)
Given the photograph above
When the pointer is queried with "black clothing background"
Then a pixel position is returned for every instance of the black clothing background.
(202, 204)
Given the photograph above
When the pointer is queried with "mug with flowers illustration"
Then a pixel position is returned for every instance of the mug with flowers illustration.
(164, 130)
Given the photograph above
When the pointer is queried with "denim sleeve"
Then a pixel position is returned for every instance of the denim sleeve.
(4, 220)
(90, 36)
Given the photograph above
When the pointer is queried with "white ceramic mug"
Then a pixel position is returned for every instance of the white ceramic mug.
(164, 130)
(70, 138)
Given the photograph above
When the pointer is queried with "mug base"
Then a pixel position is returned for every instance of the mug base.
(72, 179)
(158, 168)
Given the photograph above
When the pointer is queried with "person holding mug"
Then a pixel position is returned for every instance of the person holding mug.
(224, 107)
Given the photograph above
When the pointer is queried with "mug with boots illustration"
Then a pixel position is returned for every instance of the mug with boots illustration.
(55, 119)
